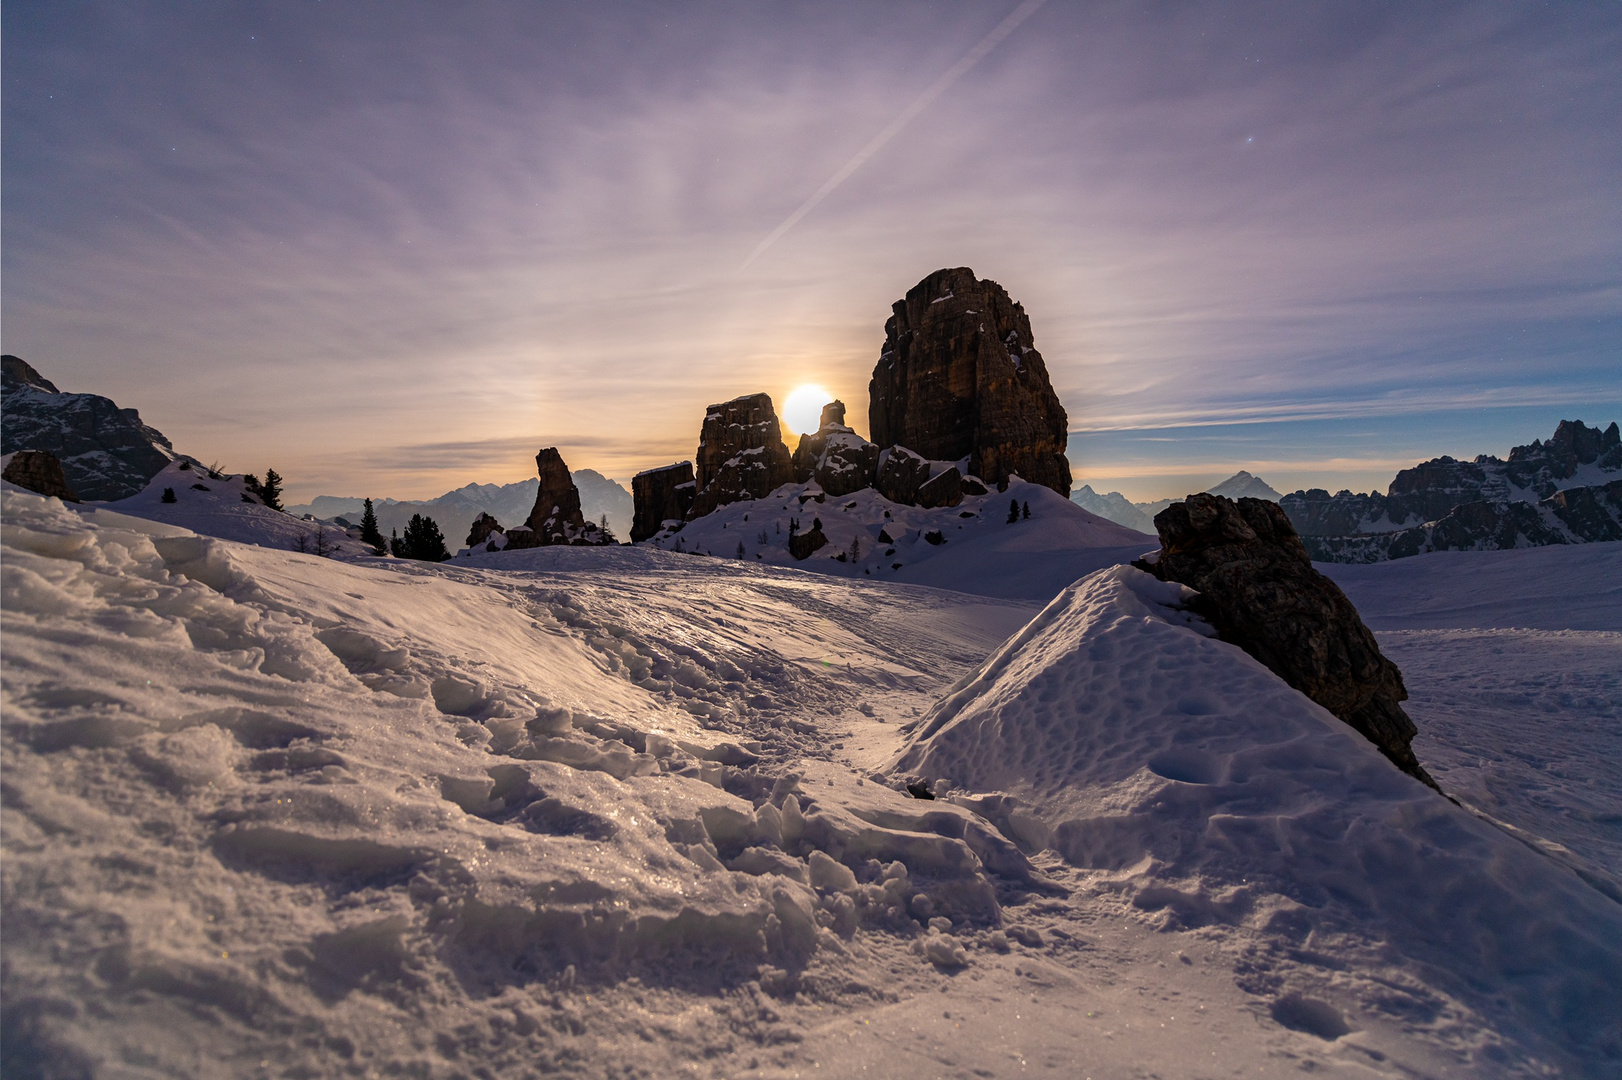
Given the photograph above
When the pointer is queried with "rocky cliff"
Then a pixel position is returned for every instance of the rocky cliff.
(959, 378)
(1548, 492)
(1258, 589)
(741, 454)
(106, 452)
(661, 495)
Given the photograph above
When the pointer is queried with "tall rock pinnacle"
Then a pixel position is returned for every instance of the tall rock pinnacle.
(960, 377)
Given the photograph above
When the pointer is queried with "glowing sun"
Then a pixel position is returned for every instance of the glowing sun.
(802, 411)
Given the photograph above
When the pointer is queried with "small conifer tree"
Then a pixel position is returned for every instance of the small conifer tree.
(369, 532)
(396, 545)
(169, 495)
(270, 492)
(740, 549)
(1025, 511)
(1013, 511)
(855, 549)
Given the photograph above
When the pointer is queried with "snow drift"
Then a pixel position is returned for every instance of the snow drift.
(1115, 730)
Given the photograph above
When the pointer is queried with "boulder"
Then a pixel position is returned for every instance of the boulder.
(959, 377)
(741, 454)
(1259, 591)
(905, 477)
(483, 526)
(659, 496)
(802, 544)
(556, 518)
(38, 470)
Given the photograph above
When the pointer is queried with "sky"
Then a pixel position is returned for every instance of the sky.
(392, 248)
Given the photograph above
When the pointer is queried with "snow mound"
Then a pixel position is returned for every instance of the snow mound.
(971, 547)
(221, 506)
(1117, 731)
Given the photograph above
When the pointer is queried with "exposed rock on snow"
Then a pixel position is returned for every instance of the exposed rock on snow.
(662, 496)
(556, 517)
(484, 526)
(1258, 589)
(106, 452)
(38, 471)
(959, 378)
(741, 454)
(905, 477)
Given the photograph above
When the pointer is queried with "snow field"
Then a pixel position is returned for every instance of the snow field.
(620, 812)
(255, 796)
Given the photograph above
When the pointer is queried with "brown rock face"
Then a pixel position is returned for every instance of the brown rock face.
(741, 454)
(38, 471)
(960, 377)
(556, 518)
(661, 495)
(1258, 589)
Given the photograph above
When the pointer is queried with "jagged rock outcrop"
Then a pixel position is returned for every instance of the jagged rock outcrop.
(1540, 466)
(484, 526)
(1258, 589)
(39, 471)
(106, 452)
(1534, 498)
(741, 454)
(905, 477)
(659, 496)
(838, 459)
(556, 517)
(959, 377)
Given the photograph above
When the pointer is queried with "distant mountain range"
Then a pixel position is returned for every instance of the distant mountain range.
(1563, 490)
(1141, 516)
(455, 510)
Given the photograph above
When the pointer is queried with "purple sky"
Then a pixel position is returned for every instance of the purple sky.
(392, 248)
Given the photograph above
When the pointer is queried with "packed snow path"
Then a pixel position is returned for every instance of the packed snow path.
(612, 813)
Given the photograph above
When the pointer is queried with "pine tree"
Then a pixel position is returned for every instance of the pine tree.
(740, 549)
(369, 532)
(270, 492)
(1013, 511)
(169, 495)
(396, 545)
(423, 540)
(856, 549)
(1025, 511)
(251, 482)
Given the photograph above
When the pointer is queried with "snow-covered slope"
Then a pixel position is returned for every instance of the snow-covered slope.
(220, 506)
(1186, 775)
(617, 812)
(975, 548)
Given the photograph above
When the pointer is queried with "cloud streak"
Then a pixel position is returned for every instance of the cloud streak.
(923, 101)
